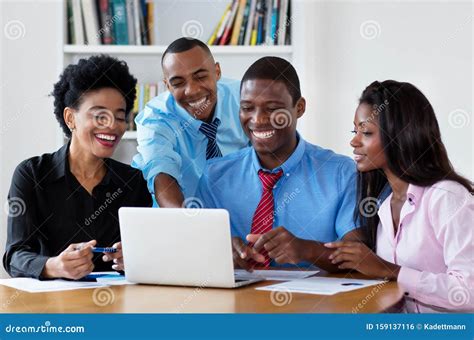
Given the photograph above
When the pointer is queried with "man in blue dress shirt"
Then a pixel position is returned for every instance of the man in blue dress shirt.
(285, 196)
(195, 120)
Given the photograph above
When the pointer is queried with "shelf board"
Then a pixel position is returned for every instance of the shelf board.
(159, 49)
(130, 135)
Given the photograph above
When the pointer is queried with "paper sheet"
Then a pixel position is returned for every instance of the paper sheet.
(275, 275)
(321, 285)
(37, 286)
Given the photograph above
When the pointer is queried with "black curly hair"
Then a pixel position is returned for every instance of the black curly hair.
(96, 72)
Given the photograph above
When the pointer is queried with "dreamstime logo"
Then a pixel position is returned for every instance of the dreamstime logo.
(103, 118)
(107, 27)
(269, 41)
(192, 29)
(198, 112)
(287, 198)
(103, 296)
(368, 207)
(15, 207)
(458, 118)
(369, 29)
(281, 119)
(368, 297)
(14, 30)
(458, 296)
(110, 197)
(11, 119)
(193, 206)
(376, 110)
(10, 300)
(190, 297)
(281, 298)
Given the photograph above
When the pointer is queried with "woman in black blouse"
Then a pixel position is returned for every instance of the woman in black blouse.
(64, 203)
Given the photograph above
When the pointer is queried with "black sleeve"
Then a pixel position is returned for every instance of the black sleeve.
(144, 198)
(22, 252)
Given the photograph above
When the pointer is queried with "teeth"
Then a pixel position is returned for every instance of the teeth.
(263, 134)
(106, 137)
(197, 103)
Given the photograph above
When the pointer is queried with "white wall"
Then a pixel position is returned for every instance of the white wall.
(426, 43)
(29, 52)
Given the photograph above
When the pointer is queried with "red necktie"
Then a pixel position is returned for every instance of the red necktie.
(263, 218)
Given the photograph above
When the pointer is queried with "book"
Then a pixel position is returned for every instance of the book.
(135, 103)
(220, 33)
(288, 25)
(268, 23)
(260, 20)
(144, 93)
(147, 94)
(244, 23)
(70, 23)
(153, 91)
(253, 38)
(215, 34)
(120, 22)
(228, 29)
(283, 22)
(141, 97)
(105, 16)
(274, 21)
(150, 23)
(136, 22)
(78, 24)
(130, 26)
(133, 22)
(250, 22)
(238, 22)
(91, 22)
(143, 22)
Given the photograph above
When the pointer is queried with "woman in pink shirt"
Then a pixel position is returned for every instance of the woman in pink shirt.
(422, 234)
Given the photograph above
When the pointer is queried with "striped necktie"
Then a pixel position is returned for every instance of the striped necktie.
(210, 130)
(263, 218)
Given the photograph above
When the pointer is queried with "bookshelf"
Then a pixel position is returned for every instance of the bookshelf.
(159, 49)
(144, 60)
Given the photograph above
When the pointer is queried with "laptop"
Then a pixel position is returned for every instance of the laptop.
(179, 247)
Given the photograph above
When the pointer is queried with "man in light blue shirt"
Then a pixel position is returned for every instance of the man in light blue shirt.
(196, 120)
(312, 197)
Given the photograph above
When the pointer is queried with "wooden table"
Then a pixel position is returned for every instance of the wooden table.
(167, 299)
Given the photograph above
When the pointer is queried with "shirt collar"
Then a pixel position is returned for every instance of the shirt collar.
(289, 164)
(414, 194)
(59, 160)
(60, 167)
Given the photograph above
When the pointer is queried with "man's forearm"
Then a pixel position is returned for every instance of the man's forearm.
(167, 192)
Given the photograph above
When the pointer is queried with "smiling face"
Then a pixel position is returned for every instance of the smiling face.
(367, 141)
(268, 117)
(99, 123)
(191, 77)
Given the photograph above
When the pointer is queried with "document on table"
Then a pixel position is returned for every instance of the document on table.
(36, 286)
(321, 285)
(273, 275)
